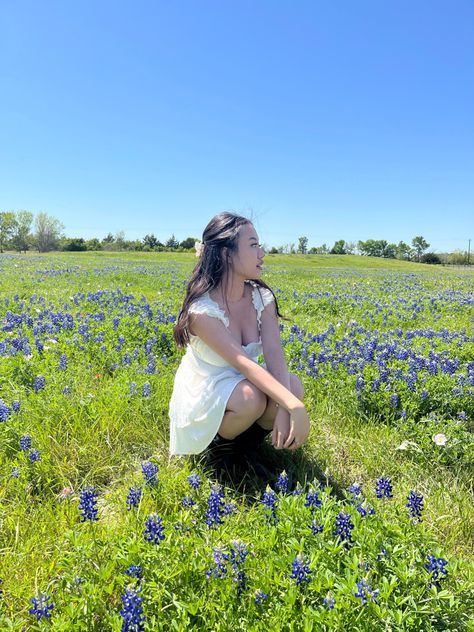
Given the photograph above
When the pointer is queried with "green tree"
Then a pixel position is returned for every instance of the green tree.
(172, 243)
(302, 245)
(338, 248)
(47, 232)
(188, 243)
(7, 227)
(151, 241)
(419, 245)
(403, 251)
(21, 233)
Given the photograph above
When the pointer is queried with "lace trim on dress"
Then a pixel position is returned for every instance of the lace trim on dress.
(205, 305)
(261, 297)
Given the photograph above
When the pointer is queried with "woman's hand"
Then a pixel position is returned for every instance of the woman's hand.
(281, 428)
(299, 428)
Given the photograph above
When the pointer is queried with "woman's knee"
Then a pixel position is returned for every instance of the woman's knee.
(248, 400)
(296, 386)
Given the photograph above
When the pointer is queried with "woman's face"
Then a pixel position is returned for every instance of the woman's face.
(247, 261)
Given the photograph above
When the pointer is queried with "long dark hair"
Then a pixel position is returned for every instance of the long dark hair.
(221, 232)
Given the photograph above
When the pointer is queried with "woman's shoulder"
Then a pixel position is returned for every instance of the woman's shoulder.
(206, 305)
(261, 296)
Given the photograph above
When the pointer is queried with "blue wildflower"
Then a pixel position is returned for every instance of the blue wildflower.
(132, 612)
(195, 481)
(316, 528)
(154, 529)
(25, 442)
(220, 556)
(237, 555)
(188, 501)
(133, 389)
(312, 500)
(270, 500)
(415, 505)
(364, 591)
(41, 606)
(66, 390)
(300, 570)
(282, 482)
(16, 405)
(364, 509)
(394, 400)
(34, 456)
(133, 497)
(260, 596)
(383, 487)
(344, 527)
(15, 473)
(135, 570)
(229, 509)
(150, 471)
(437, 567)
(356, 490)
(39, 383)
(146, 389)
(329, 601)
(88, 504)
(63, 362)
(215, 504)
(5, 411)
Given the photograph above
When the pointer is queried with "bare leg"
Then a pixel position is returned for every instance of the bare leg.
(246, 404)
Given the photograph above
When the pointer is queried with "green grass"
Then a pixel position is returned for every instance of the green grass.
(99, 434)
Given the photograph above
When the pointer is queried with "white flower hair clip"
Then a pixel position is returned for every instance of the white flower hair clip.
(199, 247)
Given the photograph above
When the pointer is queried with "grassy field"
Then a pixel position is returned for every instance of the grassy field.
(385, 350)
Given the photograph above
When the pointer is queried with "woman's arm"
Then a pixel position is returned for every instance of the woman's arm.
(214, 333)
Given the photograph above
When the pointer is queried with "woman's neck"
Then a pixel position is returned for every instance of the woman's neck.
(232, 290)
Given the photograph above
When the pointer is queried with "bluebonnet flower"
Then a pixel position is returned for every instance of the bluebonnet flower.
(298, 490)
(39, 345)
(16, 405)
(356, 490)
(394, 400)
(88, 504)
(25, 442)
(154, 529)
(220, 556)
(424, 394)
(15, 473)
(237, 555)
(132, 612)
(34, 456)
(195, 481)
(383, 487)
(329, 601)
(344, 527)
(39, 383)
(5, 411)
(215, 506)
(135, 570)
(41, 606)
(300, 570)
(282, 482)
(229, 509)
(359, 385)
(312, 500)
(316, 528)
(133, 497)
(188, 501)
(1, 589)
(461, 415)
(150, 471)
(270, 500)
(133, 389)
(415, 505)
(66, 390)
(260, 596)
(437, 567)
(364, 591)
(364, 509)
(146, 389)
(63, 362)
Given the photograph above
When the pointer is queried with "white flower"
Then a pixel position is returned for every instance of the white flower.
(199, 247)
(440, 439)
(409, 445)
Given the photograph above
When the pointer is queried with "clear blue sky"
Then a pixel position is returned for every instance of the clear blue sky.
(335, 120)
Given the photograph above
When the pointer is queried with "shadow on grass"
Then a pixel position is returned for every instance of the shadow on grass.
(250, 482)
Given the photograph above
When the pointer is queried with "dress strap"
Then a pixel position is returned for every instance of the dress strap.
(261, 297)
(205, 305)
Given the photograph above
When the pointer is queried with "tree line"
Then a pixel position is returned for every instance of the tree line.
(22, 231)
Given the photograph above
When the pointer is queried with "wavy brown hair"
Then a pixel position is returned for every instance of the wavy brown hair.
(221, 232)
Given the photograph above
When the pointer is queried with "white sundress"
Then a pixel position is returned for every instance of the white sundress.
(204, 381)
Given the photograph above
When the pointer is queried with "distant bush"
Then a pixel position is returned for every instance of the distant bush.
(430, 257)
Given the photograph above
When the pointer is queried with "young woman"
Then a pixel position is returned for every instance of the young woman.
(223, 399)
